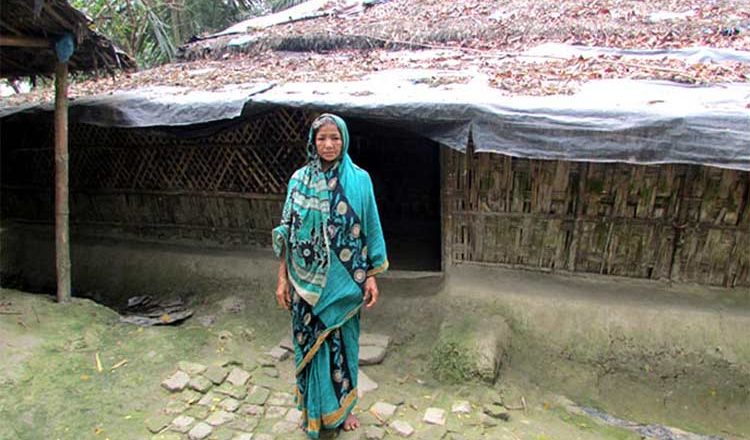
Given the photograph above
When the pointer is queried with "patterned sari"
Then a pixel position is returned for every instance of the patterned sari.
(331, 232)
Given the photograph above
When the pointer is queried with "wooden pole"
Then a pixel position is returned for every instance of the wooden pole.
(18, 41)
(62, 242)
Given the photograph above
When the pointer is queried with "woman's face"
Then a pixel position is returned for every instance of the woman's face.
(328, 142)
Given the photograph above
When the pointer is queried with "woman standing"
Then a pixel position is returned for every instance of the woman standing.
(331, 247)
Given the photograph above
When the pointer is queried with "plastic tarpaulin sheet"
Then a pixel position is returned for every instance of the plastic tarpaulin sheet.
(607, 121)
(640, 122)
(692, 55)
(153, 106)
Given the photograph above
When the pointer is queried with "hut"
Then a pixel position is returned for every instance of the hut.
(491, 140)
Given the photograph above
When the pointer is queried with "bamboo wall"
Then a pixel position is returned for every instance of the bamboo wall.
(222, 183)
(225, 183)
(680, 222)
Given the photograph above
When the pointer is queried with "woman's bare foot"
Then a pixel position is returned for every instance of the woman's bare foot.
(351, 423)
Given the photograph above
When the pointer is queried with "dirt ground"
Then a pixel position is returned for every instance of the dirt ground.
(53, 389)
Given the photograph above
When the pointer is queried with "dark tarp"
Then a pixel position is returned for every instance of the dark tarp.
(642, 122)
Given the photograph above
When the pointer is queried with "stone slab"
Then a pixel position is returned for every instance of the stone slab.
(402, 428)
(461, 407)
(275, 412)
(365, 384)
(157, 423)
(258, 396)
(434, 416)
(200, 384)
(267, 381)
(216, 374)
(190, 396)
(229, 404)
(270, 371)
(496, 411)
(219, 418)
(176, 382)
(251, 410)
(210, 399)
(371, 355)
(232, 391)
(383, 410)
(238, 376)
(197, 411)
(279, 354)
(182, 423)
(200, 431)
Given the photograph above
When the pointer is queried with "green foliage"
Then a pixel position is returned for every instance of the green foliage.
(450, 363)
(151, 30)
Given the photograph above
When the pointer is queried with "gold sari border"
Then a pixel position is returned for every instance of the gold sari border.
(314, 349)
(334, 419)
(378, 270)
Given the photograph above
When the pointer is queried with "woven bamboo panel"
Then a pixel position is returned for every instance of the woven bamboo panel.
(256, 155)
(679, 222)
(216, 181)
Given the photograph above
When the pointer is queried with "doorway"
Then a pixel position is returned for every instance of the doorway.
(405, 172)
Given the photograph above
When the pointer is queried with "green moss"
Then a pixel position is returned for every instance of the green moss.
(604, 431)
(60, 393)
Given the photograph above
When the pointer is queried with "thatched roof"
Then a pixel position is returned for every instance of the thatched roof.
(29, 30)
(507, 25)
(508, 44)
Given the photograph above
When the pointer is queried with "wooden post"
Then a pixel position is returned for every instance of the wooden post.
(62, 242)
(18, 41)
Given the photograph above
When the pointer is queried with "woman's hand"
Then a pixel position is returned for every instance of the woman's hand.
(282, 294)
(283, 298)
(371, 292)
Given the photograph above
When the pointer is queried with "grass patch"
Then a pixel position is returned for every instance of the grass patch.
(451, 363)
(59, 393)
(587, 424)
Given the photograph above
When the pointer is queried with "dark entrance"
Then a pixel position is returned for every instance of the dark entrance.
(405, 171)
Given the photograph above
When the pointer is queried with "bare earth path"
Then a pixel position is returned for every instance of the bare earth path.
(74, 371)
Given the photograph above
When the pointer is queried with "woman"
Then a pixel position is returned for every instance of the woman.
(331, 247)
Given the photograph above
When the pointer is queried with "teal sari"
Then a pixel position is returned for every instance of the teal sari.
(331, 232)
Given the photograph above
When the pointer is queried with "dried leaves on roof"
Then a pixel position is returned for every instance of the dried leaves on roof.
(519, 24)
(469, 39)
